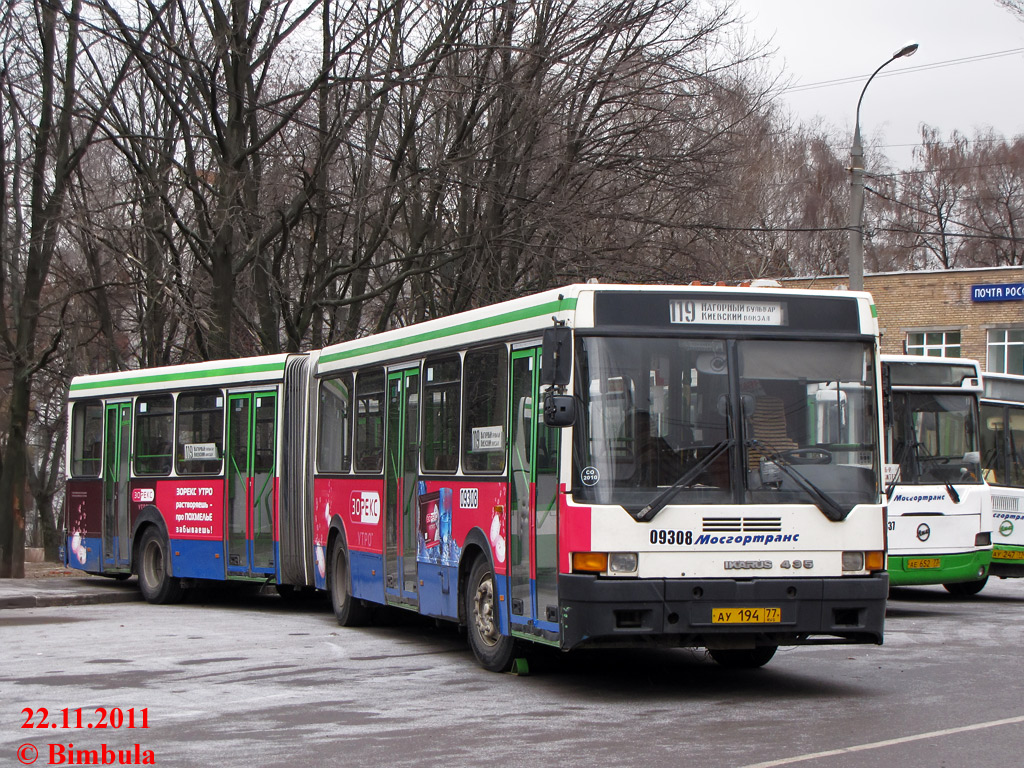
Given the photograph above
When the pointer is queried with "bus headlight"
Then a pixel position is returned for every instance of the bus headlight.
(622, 562)
(983, 539)
(853, 561)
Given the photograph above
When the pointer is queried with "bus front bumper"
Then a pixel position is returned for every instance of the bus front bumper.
(721, 613)
(921, 570)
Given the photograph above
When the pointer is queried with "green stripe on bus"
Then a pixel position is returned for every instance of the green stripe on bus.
(472, 325)
(874, 311)
(132, 378)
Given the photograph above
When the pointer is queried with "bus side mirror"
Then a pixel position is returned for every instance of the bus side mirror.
(556, 356)
(559, 410)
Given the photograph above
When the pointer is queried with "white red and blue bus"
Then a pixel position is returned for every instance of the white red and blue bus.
(939, 514)
(1002, 458)
(594, 465)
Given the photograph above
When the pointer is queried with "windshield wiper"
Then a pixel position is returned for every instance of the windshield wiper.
(660, 501)
(829, 506)
(921, 454)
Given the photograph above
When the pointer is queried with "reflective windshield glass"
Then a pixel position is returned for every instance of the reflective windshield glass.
(935, 438)
(809, 421)
(653, 410)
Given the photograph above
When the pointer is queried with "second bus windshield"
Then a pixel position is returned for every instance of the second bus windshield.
(935, 438)
(653, 409)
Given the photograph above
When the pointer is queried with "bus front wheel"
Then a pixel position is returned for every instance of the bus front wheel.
(744, 658)
(155, 581)
(493, 650)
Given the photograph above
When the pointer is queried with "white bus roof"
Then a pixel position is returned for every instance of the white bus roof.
(572, 304)
(240, 371)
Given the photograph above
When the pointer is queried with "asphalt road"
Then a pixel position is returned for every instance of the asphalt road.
(245, 680)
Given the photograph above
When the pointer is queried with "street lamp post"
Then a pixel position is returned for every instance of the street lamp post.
(855, 252)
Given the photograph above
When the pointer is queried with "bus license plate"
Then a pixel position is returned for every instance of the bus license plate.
(1007, 554)
(746, 615)
(924, 562)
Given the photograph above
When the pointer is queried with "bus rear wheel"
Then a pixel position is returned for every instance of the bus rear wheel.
(155, 581)
(966, 588)
(349, 611)
(744, 658)
(493, 650)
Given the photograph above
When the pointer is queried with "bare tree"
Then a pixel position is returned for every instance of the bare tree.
(995, 208)
(53, 99)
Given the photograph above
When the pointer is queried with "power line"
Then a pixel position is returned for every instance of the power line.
(904, 70)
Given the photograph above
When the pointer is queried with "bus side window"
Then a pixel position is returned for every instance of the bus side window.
(200, 443)
(369, 412)
(87, 439)
(441, 414)
(485, 409)
(334, 424)
(154, 434)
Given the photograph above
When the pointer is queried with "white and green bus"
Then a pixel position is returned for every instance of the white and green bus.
(939, 509)
(597, 465)
(1002, 458)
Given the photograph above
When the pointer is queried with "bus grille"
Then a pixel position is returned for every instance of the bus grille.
(1004, 503)
(742, 524)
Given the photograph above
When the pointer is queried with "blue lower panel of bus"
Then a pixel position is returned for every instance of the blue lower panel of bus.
(367, 575)
(192, 559)
(695, 611)
(84, 553)
(439, 590)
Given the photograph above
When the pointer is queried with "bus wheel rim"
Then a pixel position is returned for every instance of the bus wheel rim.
(483, 615)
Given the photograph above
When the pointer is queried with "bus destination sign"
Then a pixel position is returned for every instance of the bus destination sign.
(744, 309)
(723, 312)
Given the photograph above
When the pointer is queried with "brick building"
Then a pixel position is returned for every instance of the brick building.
(977, 313)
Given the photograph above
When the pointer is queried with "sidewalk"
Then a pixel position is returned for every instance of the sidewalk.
(49, 584)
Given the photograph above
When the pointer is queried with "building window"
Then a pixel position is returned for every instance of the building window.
(1005, 351)
(934, 343)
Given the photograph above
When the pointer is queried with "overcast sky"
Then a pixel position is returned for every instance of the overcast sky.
(954, 81)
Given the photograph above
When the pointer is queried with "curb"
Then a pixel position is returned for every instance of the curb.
(51, 601)
(44, 592)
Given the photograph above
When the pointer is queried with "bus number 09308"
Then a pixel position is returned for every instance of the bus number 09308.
(662, 536)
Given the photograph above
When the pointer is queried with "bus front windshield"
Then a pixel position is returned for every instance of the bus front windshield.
(728, 421)
(934, 438)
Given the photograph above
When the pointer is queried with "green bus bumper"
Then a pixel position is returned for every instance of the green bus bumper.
(941, 569)
(1007, 561)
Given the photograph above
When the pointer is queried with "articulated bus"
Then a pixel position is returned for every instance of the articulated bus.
(1002, 458)
(939, 519)
(595, 465)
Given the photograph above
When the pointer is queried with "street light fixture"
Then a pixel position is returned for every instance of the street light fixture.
(855, 252)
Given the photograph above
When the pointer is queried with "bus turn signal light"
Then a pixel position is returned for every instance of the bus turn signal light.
(592, 562)
(875, 561)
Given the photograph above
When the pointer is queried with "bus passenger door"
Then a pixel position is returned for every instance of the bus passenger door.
(116, 473)
(533, 515)
(401, 468)
(251, 483)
